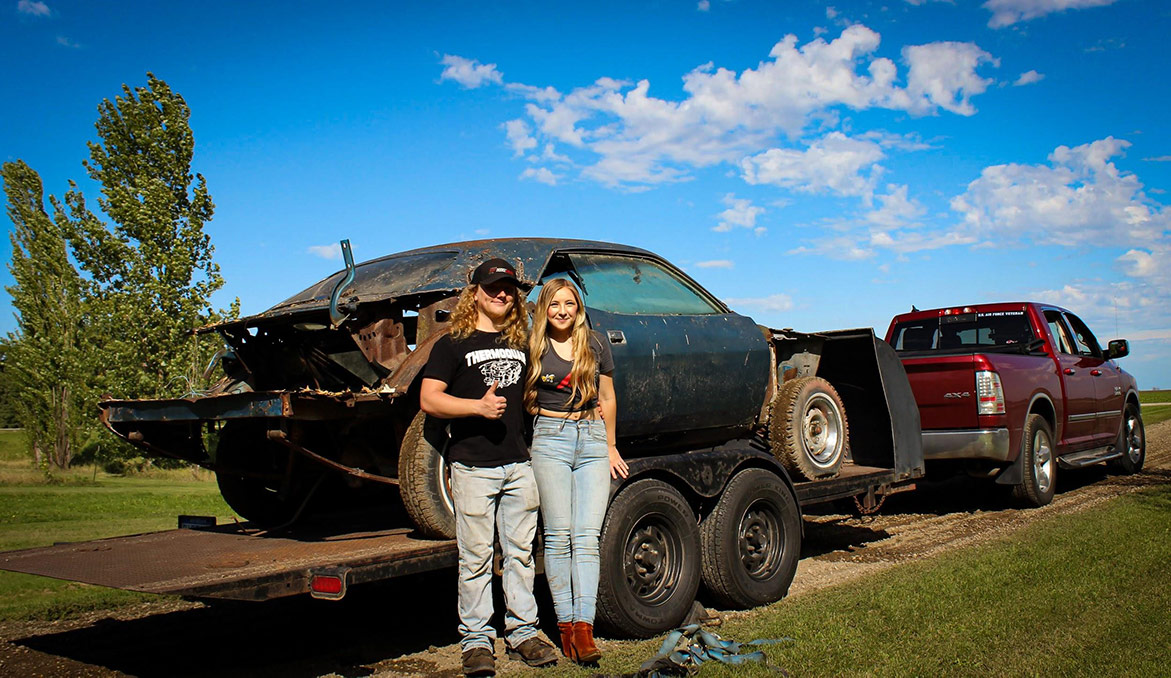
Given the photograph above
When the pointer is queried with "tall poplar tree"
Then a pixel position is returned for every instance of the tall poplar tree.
(150, 271)
(44, 358)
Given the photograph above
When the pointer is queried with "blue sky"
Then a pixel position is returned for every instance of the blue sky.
(817, 165)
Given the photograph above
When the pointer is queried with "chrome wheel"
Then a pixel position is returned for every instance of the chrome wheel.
(1134, 437)
(821, 430)
(1042, 461)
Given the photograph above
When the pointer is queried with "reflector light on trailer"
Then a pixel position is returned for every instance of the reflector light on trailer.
(328, 583)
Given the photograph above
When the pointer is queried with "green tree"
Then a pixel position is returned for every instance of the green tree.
(43, 358)
(150, 273)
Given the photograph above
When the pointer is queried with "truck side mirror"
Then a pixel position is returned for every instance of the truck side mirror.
(1117, 348)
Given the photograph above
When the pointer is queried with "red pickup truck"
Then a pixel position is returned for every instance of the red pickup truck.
(1015, 390)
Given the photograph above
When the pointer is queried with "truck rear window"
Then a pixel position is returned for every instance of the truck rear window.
(965, 331)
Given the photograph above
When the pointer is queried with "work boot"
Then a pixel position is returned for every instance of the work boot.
(534, 652)
(583, 643)
(479, 661)
(567, 649)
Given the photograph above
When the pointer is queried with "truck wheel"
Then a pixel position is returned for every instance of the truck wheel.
(254, 490)
(424, 479)
(650, 560)
(808, 429)
(1132, 442)
(751, 541)
(1038, 483)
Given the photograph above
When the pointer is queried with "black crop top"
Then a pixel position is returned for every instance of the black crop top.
(553, 387)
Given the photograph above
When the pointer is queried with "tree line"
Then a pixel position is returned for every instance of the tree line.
(106, 300)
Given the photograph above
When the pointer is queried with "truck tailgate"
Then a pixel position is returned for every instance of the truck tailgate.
(235, 562)
(945, 389)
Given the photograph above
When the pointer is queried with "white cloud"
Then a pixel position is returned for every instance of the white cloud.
(1079, 199)
(715, 263)
(518, 137)
(33, 8)
(1009, 12)
(897, 209)
(704, 5)
(66, 42)
(331, 251)
(1028, 78)
(835, 163)
(540, 174)
(740, 213)
(1159, 158)
(469, 72)
(774, 302)
(841, 248)
(629, 138)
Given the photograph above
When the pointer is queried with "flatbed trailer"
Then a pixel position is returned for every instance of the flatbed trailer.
(322, 558)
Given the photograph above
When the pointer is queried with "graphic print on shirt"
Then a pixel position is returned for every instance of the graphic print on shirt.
(503, 365)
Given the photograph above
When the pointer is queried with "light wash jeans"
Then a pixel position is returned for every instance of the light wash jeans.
(490, 501)
(572, 463)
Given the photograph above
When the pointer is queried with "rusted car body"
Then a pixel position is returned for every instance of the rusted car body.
(323, 386)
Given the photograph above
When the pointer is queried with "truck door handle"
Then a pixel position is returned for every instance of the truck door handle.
(616, 336)
(1096, 373)
(1068, 370)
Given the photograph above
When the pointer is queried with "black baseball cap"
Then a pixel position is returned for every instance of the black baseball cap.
(495, 270)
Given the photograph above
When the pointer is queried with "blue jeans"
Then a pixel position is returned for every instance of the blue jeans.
(495, 500)
(572, 463)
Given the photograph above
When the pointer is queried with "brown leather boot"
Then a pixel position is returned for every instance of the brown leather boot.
(567, 648)
(583, 643)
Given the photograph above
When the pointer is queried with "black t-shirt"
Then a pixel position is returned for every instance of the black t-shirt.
(553, 388)
(468, 367)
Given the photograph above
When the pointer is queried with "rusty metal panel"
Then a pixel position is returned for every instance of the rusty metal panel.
(235, 562)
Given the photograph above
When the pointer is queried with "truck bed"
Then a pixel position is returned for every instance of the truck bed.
(234, 562)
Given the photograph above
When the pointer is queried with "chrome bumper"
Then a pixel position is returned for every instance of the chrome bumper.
(989, 443)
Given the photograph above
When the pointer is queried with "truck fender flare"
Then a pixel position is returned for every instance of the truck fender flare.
(1013, 474)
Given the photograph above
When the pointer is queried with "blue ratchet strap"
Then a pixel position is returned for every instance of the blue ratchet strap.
(687, 647)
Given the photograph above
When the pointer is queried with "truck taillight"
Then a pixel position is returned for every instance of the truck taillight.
(989, 393)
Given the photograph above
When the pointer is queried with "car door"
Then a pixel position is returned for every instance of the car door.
(1081, 410)
(1107, 382)
(682, 361)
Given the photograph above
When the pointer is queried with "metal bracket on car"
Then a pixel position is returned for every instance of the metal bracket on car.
(282, 437)
(336, 317)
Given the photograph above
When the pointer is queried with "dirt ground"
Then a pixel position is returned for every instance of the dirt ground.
(407, 627)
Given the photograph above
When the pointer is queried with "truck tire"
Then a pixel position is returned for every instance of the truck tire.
(1132, 442)
(649, 560)
(751, 541)
(808, 429)
(424, 479)
(1038, 465)
(256, 491)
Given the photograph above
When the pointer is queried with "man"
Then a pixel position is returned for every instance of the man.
(475, 378)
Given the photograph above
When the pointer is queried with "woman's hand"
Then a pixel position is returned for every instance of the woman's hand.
(618, 467)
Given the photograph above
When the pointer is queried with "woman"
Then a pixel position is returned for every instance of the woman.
(574, 455)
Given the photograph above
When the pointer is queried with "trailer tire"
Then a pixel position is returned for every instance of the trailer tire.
(751, 541)
(1132, 442)
(1038, 463)
(808, 430)
(424, 479)
(255, 493)
(650, 560)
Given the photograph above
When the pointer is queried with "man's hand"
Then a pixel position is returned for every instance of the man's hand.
(491, 405)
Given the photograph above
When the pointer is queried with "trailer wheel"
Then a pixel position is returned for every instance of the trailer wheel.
(250, 472)
(425, 479)
(1132, 442)
(1038, 484)
(650, 560)
(808, 430)
(751, 541)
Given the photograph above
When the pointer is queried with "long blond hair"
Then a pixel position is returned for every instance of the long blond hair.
(465, 316)
(583, 375)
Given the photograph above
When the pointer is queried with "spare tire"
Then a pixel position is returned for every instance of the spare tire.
(424, 479)
(808, 430)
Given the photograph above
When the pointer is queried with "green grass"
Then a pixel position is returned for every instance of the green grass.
(42, 514)
(1154, 396)
(1079, 595)
(13, 445)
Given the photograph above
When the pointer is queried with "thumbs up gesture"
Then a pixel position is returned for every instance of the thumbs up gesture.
(491, 405)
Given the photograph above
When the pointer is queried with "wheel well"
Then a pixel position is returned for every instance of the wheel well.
(1044, 407)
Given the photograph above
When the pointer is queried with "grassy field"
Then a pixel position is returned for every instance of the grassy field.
(1080, 595)
(1154, 396)
(78, 505)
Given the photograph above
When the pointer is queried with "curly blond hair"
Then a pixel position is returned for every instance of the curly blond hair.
(465, 316)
